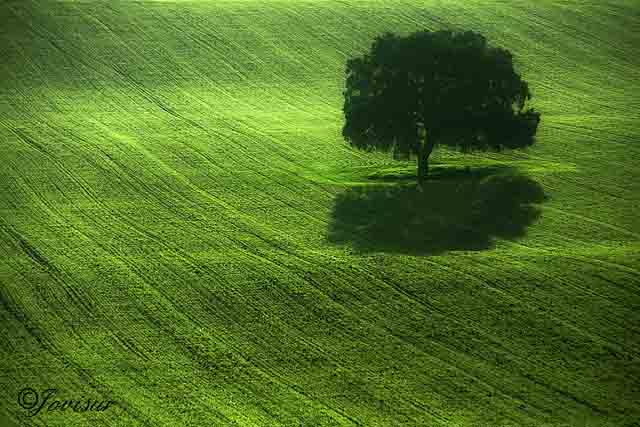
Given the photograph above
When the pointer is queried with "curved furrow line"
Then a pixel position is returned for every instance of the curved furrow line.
(105, 210)
(193, 37)
(132, 267)
(636, 236)
(184, 180)
(582, 258)
(65, 283)
(48, 343)
(457, 368)
(300, 193)
(69, 285)
(178, 310)
(251, 83)
(310, 215)
(413, 345)
(607, 343)
(550, 373)
(551, 277)
(174, 113)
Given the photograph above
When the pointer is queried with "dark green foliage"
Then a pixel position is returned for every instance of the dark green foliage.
(409, 94)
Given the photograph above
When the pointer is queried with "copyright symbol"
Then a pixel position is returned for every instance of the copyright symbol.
(28, 398)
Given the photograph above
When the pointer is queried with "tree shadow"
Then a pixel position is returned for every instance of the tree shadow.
(457, 209)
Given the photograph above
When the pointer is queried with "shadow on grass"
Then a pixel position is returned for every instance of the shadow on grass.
(458, 209)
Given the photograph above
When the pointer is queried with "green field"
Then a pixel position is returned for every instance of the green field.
(184, 232)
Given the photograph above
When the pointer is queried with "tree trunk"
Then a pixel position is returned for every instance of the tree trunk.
(426, 147)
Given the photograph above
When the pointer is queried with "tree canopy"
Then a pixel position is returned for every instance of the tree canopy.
(410, 94)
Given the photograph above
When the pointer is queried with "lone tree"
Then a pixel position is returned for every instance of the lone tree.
(409, 94)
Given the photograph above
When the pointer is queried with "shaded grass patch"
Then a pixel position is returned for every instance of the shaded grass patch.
(457, 209)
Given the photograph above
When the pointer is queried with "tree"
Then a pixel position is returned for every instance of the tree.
(411, 94)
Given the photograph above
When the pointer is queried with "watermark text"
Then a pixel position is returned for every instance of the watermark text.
(50, 400)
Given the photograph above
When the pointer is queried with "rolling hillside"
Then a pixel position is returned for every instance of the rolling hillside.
(184, 232)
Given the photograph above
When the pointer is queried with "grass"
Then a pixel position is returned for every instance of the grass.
(182, 230)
